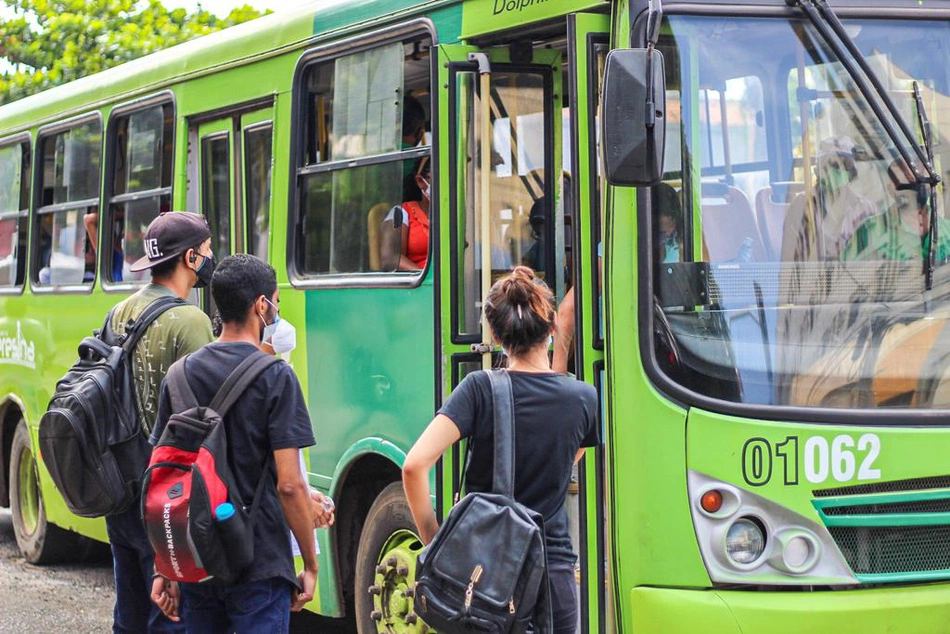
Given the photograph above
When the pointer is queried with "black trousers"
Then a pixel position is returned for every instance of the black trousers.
(563, 597)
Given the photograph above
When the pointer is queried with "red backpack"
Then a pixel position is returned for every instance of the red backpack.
(197, 524)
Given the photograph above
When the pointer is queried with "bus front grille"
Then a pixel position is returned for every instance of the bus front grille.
(903, 553)
(891, 532)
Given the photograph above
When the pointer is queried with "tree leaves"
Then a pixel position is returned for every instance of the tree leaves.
(51, 42)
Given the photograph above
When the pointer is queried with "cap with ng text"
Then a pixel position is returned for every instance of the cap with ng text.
(169, 235)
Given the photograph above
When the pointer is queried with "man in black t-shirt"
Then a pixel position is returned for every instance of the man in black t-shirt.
(266, 428)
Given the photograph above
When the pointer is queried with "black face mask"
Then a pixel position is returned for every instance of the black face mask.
(205, 271)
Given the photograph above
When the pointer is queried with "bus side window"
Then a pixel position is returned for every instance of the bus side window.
(257, 177)
(68, 205)
(14, 208)
(364, 179)
(140, 185)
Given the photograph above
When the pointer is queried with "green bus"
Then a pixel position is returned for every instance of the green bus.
(741, 197)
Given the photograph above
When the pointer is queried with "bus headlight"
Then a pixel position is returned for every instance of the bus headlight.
(745, 541)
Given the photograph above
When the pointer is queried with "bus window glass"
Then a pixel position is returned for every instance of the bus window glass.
(14, 203)
(518, 204)
(730, 124)
(216, 190)
(366, 117)
(141, 181)
(789, 235)
(366, 183)
(68, 206)
(257, 175)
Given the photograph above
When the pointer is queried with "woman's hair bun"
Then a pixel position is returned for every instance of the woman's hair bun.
(519, 287)
(523, 272)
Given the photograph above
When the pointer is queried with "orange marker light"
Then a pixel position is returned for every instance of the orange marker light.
(711, 501)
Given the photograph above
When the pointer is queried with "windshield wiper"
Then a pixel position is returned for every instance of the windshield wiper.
(826, 22)
(926, 132)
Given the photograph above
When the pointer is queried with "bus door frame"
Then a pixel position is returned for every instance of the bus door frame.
(588, 40)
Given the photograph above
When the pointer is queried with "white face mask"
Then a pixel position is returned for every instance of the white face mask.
(283, 337)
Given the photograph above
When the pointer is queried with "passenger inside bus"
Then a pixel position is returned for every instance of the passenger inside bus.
(91, 223)
(534, 256)
(669, 224)
(404, 243)
(413, 127)
(820, 231)
(902, 232)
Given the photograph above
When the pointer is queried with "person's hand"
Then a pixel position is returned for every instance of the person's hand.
(324, 512)
(165, 595)
(308, 581)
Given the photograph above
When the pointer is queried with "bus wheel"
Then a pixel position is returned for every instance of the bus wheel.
(40, 542)
(386, 567)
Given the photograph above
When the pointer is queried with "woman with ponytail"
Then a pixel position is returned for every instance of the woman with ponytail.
(556, 417)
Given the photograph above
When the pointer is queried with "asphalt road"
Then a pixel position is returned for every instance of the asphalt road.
(77, 598)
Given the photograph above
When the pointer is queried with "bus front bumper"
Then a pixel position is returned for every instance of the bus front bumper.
(921, 609)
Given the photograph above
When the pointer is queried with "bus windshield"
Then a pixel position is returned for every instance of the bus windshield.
(788, 236)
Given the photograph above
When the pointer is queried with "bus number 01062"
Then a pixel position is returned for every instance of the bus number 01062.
(841, 459)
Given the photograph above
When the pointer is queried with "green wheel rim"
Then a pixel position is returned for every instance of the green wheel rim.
(28, 492)
(393, 585)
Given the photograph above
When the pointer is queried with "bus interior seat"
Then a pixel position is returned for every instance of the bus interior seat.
(771, 208)
(727, 221)
(374, 226)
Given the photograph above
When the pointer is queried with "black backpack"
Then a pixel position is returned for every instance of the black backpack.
(189, 477)
(91, 438)
(486, 569)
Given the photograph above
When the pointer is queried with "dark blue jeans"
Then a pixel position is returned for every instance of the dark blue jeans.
(247, 608)
(134, 562)
(563, 597)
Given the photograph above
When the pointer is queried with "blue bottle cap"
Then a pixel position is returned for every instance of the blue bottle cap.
(224, 511)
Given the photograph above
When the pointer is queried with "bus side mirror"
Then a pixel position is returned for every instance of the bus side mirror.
(634, 117)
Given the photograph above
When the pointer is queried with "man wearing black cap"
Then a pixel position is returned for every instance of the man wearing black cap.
(178, 254)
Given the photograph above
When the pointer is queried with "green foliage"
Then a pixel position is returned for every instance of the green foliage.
(51, 42)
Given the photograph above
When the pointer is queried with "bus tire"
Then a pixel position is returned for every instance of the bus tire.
(39, 541)
(385, 568)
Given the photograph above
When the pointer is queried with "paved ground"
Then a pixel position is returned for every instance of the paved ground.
(35, 599)
(75, 598)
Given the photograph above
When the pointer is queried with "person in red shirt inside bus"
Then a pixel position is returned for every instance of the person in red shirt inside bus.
(405, 234)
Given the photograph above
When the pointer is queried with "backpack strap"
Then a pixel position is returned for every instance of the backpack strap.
(232, 389)
(256, 502)
(151, 312)
(182, 396)
(503, 406)
(107, 333)
(240, 379)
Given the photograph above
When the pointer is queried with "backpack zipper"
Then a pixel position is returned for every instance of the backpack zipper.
(476, 575)
(511, 605)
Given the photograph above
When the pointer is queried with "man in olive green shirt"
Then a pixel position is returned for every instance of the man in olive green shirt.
(178, 252)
